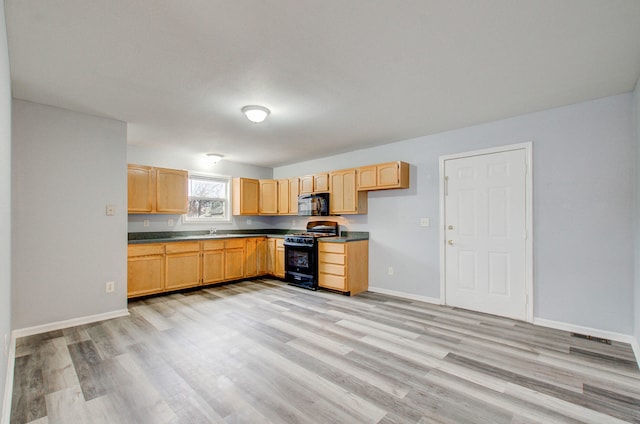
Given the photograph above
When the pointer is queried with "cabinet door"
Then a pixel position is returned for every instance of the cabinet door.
(233, 264)
(268, 197)
(336, 196)
(321, 182)
(145, 275)
(213, 266)
(306, 184)
(251, 257)
(171, 191)
(245, 196)
(140, 189)
(279, 270)
(332, 262)
(367, 176)
(388, 174)
(262, 256)
(271, 256)
(182, 265)
(345, 197)
(283, 197)
(294, 191)
(183, 270)
(234, 259)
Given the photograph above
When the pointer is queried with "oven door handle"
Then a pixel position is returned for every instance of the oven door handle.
(297, 244)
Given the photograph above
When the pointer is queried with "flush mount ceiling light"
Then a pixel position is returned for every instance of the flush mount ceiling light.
(255, 114)
(214, 157)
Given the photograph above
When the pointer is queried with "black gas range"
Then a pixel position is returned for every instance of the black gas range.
(301, 253)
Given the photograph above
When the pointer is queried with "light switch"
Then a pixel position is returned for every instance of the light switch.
(424, 222)
(110, 210)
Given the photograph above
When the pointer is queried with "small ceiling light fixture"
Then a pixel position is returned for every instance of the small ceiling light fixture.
(214, 157)
(256, 114)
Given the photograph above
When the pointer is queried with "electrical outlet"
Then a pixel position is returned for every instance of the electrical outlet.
(145, 223)
(249, 222)
(390, 270)
(424, 222)
(170, 222)
(110, 286)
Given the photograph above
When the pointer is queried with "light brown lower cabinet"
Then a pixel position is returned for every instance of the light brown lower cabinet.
(162, 267)
(276, 258)
(233, 259)
(255, 256)
(279, 265)
(182, 265)
(145, 273)
(344, 266)
(262, 256)
(212, 261)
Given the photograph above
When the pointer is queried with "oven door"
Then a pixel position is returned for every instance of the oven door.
(300, 265)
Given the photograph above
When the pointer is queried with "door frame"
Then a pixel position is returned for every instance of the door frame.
(527, 147)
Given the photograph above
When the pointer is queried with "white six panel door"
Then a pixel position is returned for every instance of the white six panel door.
(485, 228)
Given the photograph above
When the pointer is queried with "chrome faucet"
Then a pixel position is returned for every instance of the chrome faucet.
(212, 230)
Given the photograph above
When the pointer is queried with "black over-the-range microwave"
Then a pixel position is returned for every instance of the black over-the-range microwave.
(315, 204)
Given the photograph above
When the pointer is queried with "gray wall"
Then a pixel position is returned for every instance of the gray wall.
(66, 167)
(178, 159)
(5, 200)
(583, 172)
(636, 115)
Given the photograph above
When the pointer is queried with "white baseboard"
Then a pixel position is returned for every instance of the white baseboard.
(30, 331)
(58, 325)
(572, 328)
(618, 337)
(411, 296)
(8, 384)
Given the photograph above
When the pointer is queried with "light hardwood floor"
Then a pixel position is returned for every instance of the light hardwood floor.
(261, 351)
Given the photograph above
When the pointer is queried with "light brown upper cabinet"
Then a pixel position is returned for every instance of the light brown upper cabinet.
(284, 199)
(383, 176)
(316, 183)
(245, 196)
(156, 190)
(294, 191)
(288, 189)
(344, 197)
(268, 197)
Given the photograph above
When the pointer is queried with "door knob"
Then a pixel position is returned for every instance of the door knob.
(450, 242)
(450, 227)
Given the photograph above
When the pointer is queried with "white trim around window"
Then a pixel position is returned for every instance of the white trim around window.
(212, 203)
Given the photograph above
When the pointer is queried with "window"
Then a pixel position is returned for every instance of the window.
(209, 199)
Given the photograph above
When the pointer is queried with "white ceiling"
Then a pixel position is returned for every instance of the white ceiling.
(338, 75)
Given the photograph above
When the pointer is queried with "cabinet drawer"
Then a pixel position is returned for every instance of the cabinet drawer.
(213, 245)
(183, 247)
(332, 247)
(332, 258)
(332, 269)
(145, 249)
(332, 281)
(233, 244)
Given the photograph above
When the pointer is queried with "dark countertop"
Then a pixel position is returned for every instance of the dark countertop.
(171, 236)
(347, 236)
